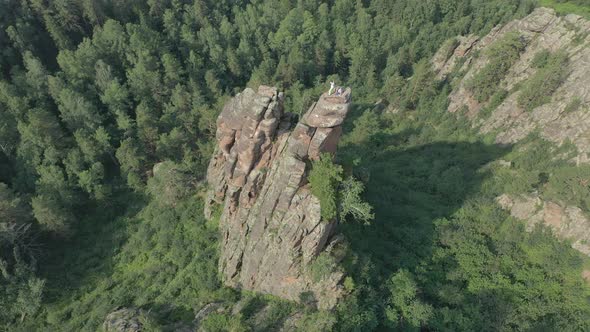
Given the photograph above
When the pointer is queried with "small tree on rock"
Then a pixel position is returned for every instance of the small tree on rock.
(338, 197)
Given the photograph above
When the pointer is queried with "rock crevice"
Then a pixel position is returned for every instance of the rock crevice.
(270, 222)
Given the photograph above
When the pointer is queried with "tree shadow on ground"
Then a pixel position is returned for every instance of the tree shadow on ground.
(410, 186)
(81, 259)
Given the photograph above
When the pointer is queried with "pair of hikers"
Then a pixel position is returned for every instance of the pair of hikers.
(332, 87)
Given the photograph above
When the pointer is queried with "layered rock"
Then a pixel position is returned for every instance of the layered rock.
(270, 222)
(567, 222)
(555, 121)
(541, 30)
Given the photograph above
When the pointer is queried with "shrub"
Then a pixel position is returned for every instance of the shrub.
(51, 214)
(539, 88)
(496, 100)
(321, 321)
(337, 197)
(170, 183)
(405, 308)
(449, 46)
(573, 105)
(351, 202)
(540, 59)
(570, 184)
(223, 323)
(322, 266)
(324, 179)
(502, 55)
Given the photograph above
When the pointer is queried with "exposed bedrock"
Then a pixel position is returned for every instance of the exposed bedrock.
(270, 223)
(557, 120)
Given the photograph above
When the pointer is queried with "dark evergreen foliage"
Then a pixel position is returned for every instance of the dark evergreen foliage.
(94, 94)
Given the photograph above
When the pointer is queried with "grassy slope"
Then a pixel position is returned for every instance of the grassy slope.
(567, 7)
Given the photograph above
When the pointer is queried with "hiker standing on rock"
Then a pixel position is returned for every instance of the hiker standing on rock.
(332, 86)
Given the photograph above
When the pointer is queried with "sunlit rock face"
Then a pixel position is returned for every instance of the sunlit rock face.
(567, 222)
(270, 223)
(556, 121)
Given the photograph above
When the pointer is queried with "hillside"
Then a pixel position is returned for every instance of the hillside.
(543, 94)
(180, 165)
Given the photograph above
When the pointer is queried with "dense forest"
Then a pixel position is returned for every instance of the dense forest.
(94, 94)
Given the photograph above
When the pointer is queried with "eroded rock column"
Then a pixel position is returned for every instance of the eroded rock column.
(270, 222)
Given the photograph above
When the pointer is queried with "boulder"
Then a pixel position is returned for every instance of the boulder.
(123, 320)
(329, 111)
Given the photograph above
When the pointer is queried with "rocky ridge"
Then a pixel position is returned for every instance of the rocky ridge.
(270, 224)
(540, 30)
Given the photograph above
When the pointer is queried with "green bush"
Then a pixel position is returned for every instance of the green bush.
(564, 7)
(320, 321)
(404, 307)
(170, 183)
(502, 55)
(541, 58)
(448, 47)
(351, 203)
(573, 105)
(495, 101)
(539, 88)
(324, 178)
(223, 323)
(570, 184)
(322, 266)
(337, 197)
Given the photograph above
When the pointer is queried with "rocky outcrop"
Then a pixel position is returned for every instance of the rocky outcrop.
(207, 310)
(445, 60)
(555, 121)
(270, 224)
(123, 320)
(567, 222)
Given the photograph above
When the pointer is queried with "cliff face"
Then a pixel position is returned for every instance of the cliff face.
(555, 121)
(270, 224)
